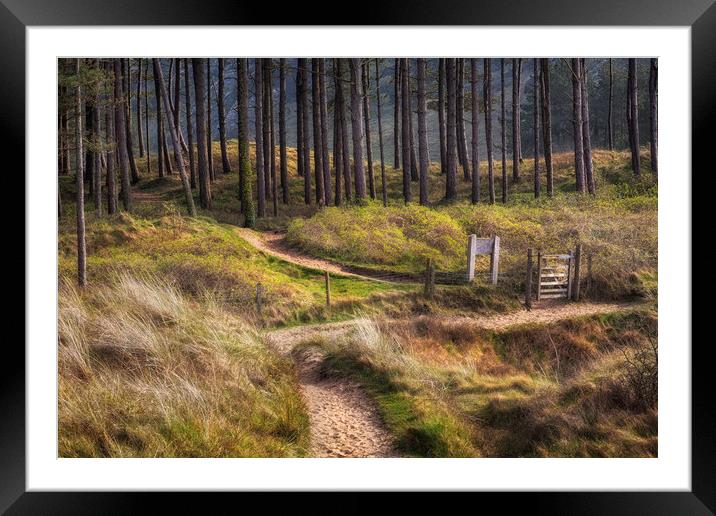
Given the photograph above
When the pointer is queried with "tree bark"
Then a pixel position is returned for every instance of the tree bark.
(405, 108)
(422, 133)
(127, 71)
(306, 125)
(247, 202)
(226, 167)
(317, 133)
(198, 66)
(451, 144)
(327, 193)
(516, 114)
(487, 100)
(271, 133)
(189, 129)
(259, 137)
(460, 110)
(97, 144)
(160, 132)
(535, 126)
(547, 124)
(110, 146)
(209, 131)
(397, 84)
(586, 132)
(441, 115)
(503, 127)
(80, 183)
(343, 120)
(146, 118)
(380, 131)
(633, 116)
(411, 133)
(121, 132)
(299, 120)
(282, 129)
(653, 114)
(337, 136)
(357, 132)
(610, 130)
(175, 138)
(475, 194)
(519, 110)
(577, 120)
(140, 135)
(366, 121)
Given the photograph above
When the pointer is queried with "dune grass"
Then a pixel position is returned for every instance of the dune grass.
(146, 372)
(450, 389)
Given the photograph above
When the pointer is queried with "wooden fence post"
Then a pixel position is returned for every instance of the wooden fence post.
(589, 275)
(471, 242)
(328, 289)
(577, 267)
(539, 273)
(495, 259)
(528, 283)
(429, 279)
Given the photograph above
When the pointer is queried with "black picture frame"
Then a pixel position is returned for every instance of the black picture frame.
(17, 15)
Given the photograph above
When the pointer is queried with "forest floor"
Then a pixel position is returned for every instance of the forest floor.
(344, 419)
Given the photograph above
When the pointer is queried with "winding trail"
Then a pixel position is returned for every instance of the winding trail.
(344, 420)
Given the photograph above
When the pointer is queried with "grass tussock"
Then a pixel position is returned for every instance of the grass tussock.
(145, 372)
(584, 387)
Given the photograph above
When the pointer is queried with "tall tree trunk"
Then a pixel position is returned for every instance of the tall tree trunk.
(146, 117)
(586, 132)
(343, 120)
(110, 146)
(89, 153)
(225, 166)
(357, 132)
(198, 66)
(475, 111)
(516, 114)
(121, 134)
(325, 161)
(127, 72)
(140, 135)
(337, 136)
(189, 129)
(160, 131)
(460, 109)
(653, 114)
(411, 133)
(175, 137)
(80, 183)
(366, 122)
(519, 110)
(282, 129)
(397, 84)
(535, 126)
(177, 104)
(405, 108)
(610, 130)
(380, 130)
(441, 114)
(547, 124)
(451, 144)
(317, 133)
(487, 100)
(97, 143)
(577, 117)
(272, 136)
(306, 125)
(259, 136)
(633, 116)
(165, 152)
(209, 132)
(299, 127)
(247, 202)
(422, 133)
(503, 127)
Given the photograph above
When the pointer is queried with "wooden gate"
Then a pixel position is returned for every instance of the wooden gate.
(554, 278)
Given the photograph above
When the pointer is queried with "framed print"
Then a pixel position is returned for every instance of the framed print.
(432, 250)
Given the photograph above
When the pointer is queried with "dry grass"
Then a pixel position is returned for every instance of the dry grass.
(144, 372)
(559, 390)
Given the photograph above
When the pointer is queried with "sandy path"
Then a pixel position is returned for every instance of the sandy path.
(274, 243)
(344, 420)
